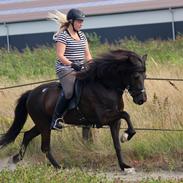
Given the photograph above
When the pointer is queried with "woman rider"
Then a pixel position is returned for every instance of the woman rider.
(72, 50)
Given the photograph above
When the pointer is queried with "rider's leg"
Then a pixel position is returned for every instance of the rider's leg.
(60, 107)
(67, 78)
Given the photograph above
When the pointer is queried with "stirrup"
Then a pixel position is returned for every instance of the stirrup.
(58, 125)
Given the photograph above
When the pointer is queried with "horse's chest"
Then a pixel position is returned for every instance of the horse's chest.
(102, 105)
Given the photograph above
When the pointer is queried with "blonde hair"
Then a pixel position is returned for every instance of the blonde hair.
(61, 19)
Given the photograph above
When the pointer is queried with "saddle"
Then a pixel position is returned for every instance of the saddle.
(74, 102)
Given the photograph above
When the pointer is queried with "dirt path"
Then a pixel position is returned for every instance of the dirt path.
(7, 163)
(139, 176)
(132, 176)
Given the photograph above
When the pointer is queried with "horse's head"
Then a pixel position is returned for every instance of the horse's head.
(136, 79)
(119, 69)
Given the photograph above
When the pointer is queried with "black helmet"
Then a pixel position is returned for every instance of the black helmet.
(75, 14)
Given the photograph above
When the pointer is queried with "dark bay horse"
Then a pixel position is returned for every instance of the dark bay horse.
(104, 82)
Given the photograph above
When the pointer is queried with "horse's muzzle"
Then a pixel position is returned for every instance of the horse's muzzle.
(139, 97)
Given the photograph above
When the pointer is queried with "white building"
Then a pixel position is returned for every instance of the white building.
(24, 22)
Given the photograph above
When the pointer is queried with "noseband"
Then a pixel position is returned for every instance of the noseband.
(135, 92)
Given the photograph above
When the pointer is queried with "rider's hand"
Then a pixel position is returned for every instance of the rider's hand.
(76, 67)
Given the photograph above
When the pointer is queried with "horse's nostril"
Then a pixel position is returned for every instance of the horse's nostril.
(140, 102)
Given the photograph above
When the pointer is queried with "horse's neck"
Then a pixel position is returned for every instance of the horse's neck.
(112, 86)
(100, 92)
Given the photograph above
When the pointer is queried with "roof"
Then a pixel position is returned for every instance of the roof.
(28, 10)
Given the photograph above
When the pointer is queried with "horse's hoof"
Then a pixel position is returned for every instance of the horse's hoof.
(16, 158)
(129, 170)
(131, 135)
(57, 167)
(124, 137)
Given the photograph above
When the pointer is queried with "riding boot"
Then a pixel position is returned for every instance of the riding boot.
(60, 107)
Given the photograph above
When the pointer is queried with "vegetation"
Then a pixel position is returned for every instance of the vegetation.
(147, 150)
(43, 174)
(39, 62)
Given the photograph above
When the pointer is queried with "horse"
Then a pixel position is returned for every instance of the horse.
(101, 104)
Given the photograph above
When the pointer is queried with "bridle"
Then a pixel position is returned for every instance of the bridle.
(135, 92)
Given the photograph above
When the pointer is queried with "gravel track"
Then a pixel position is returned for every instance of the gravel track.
(127, 176)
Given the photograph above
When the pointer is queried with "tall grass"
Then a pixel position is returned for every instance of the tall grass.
(39, 62)
(162, 51)
(30, 64)
(164, 108)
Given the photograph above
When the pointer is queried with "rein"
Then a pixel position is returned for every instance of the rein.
(83, 65)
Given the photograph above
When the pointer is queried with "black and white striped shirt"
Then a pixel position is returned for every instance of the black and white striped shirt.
(75, 49)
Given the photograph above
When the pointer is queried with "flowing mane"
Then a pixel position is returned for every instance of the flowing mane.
(111, 63)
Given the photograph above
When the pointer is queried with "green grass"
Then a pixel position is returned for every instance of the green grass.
(29, 64)
(165, 52)
(44, 174)
(40, 62)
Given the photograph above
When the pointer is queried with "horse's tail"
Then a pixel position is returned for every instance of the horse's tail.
(19, 121)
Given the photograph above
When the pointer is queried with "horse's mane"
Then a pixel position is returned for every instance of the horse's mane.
(110, 63)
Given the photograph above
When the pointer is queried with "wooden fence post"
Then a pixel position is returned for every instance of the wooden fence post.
(87, 134)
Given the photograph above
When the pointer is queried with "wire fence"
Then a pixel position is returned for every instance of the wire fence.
(138, 129)
(107, 127)
(46, 81)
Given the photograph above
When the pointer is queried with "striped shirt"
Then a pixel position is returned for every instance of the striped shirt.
(75, 49)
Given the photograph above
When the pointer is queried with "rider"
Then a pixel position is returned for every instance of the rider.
(71, 50)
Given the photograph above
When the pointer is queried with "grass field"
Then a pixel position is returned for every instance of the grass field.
(147, 150)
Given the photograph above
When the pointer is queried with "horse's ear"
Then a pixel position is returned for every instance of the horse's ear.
(144, 57)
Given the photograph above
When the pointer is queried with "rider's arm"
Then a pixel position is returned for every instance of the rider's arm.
(60, 50)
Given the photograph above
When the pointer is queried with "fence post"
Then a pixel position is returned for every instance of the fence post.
(87, 134)
(173, 23)
(7, 36)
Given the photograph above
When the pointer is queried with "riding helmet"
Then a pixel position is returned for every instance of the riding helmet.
(75, 14)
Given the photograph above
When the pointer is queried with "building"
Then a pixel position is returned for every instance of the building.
(24, 22)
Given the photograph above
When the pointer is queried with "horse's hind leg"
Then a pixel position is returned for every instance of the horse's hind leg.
(45, 147)
(28, 136)
(130, 132)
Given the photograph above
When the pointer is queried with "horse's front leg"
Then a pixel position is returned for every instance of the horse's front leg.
(115, 127)
(130, 132)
